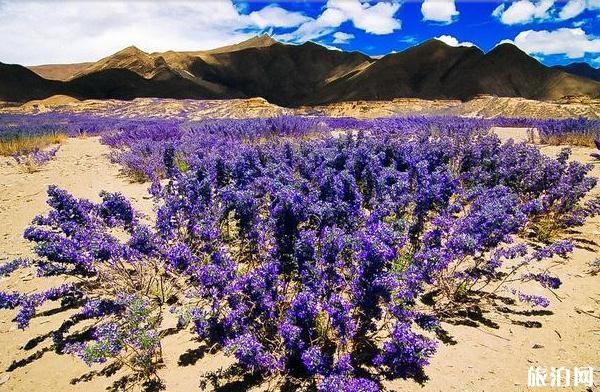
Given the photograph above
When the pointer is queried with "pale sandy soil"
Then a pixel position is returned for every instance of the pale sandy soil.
(484, 106)
(517, 134)
(490, 353)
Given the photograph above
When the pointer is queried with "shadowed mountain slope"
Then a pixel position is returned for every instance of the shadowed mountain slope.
(581, 69)
(19, 84)
(307, 74)
(434, 70)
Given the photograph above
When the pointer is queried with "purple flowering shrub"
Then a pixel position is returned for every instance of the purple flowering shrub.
(130, 335)
(330, 238)
(117, 279)
(139, 146)
(13, 265)
(309, 258)
(32, 161)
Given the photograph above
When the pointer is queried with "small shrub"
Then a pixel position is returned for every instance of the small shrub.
(34, 160)
(22, 145)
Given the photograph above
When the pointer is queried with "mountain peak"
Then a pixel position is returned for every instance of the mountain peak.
(130, 51)
(508, 48)
(260, 41)
(434, 42)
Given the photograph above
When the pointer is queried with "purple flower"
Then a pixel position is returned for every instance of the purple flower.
(11, 266)
(533, 300)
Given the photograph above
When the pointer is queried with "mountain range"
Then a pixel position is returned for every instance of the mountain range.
(581, 69)
(306, 74)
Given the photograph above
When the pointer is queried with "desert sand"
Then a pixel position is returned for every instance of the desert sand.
(487, 351)
(483, 106)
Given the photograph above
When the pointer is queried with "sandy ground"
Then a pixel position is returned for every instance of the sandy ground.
(484, 106)
(489, 352)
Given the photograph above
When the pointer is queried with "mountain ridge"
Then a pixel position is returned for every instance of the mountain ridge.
(305, 74)
(581, 69)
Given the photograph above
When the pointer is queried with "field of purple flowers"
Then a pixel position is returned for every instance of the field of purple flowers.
(319, 251)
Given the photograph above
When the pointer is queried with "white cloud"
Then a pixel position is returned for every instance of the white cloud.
(439, 10)
(452, 41)
(330, 47)
(342, 38)
(274, 16)
(523, 11)
(497, 13)
(49, 32)
(574, 8)
(375, 18)
(408, 39)
(574, 43)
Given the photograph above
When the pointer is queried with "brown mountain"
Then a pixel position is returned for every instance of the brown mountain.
(19, 84)
(434, 70)
(307, 74)
(507, 71)
(581, 69)
(283, 74)
(59, 71)
(424, 71)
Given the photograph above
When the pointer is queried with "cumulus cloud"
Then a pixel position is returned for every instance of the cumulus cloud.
(50, 32)
(342, 38)
(378, 18)
(452, 41)
(439, 10)
(574, 8)
(523, 11)
(275, 16)
(573, 43)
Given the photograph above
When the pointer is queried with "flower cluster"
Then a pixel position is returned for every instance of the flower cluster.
(13, 265)
(32, 160)
(134, 329)
(306, 254)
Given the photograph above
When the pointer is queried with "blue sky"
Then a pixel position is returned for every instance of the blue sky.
(470, 22)
(555, 32)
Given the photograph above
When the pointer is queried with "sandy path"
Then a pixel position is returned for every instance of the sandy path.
(490, 357)
(81, 167)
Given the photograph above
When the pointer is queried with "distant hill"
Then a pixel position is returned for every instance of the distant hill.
(58, 71)
(434, 70)
(19, 84)
(581, 69)
(307, 74)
